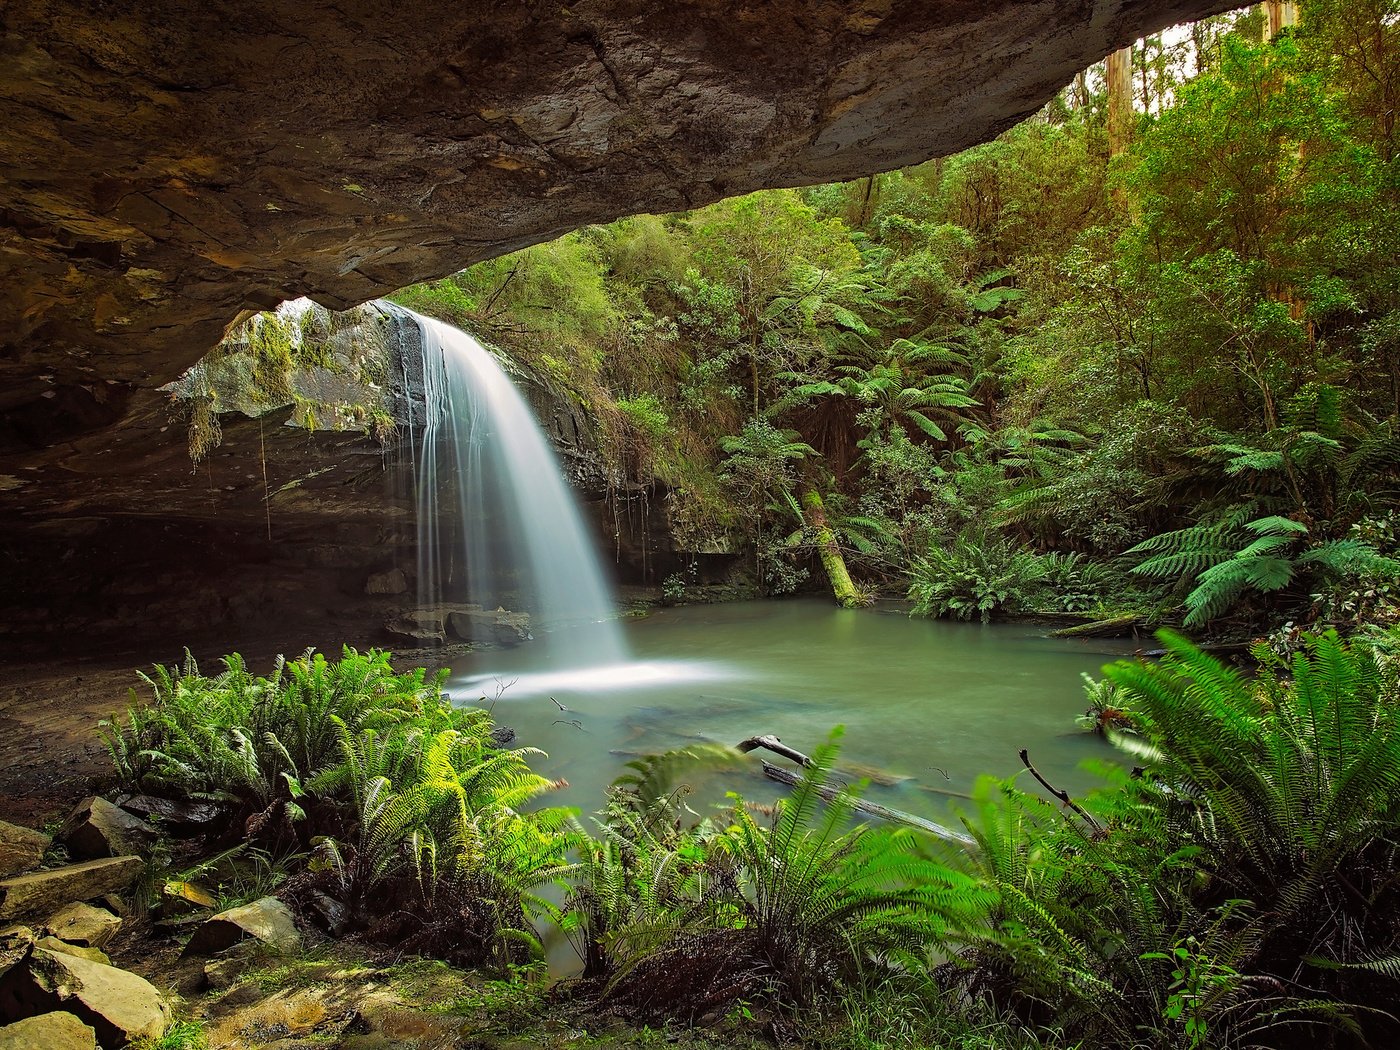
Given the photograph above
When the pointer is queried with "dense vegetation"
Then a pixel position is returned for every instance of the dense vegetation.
(1153, 383)
(1237, 888)
(1031, 376)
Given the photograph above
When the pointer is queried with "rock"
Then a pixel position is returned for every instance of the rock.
(331, 915)
(83, 925)
(59, 1030)
(267, 920)
(119, 1005)
(494, 627)
(15, 943)
(503, 736)
(181, 818)
(53, 944)
(96, 828)
(419, 626)
(181, 898)
(20, 848)
(391, 582)
(38, 892)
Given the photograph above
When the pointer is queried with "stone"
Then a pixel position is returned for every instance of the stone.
(15, 942)
(20, 848)
(391, 582)
(268, 921)
(58, 1030)
(41, 892)
(418, 627)
(181, 818)
(53, 944)
(492, 626)
(118, 1004)
(180, 898)
(96, 828)
(330, 914)
(83, 925)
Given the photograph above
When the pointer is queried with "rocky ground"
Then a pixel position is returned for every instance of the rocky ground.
(105, 970)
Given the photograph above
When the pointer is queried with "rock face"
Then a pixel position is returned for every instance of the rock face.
(167, 164)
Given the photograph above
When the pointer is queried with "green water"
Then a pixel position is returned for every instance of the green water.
(939, 703)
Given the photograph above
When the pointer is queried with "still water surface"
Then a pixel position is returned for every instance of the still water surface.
(940, 703)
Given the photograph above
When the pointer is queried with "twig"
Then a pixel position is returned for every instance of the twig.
(1063, 796)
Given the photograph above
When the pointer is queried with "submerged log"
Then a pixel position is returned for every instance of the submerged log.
(874, 809)
(1113, 626)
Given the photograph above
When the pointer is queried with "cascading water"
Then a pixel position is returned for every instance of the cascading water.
(497, 526)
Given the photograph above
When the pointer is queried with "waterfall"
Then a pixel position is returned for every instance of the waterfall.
(497, 525)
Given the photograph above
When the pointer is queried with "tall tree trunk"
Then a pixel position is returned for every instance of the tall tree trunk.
(1119, 75)
(1281, 14)
(830, 551)
(1120, 101)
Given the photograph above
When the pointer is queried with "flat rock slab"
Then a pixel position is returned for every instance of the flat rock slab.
(96, 828)
(40, 892)
(53, 944)
(83, 925)
(267, 920)
(59, 1030)
(20, 848)
(119, 1005)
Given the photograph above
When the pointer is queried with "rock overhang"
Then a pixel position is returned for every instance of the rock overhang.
(169, 165)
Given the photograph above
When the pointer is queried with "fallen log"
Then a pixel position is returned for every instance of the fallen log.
(874, 809)
(773, 744)
(1112, 627)
(856, 770)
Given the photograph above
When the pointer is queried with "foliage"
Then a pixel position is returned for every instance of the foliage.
(974, 577)
(369, 784)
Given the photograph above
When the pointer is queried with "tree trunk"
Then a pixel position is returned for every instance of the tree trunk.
(1281, 15)
(1120, 101)
(830, 552)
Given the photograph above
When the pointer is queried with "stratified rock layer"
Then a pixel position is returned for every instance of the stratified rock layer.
(168, 164)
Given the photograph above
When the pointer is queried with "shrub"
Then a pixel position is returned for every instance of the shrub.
(975, 576)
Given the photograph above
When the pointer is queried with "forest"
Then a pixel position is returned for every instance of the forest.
(1132, 367)
(1148, 373)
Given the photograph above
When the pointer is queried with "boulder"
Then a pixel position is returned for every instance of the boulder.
(490, 626)
(119, 1005)
(391, 582)
(20, 848)
(53, 944)
(59, 1030)
(96, 828)
(419, 627)
(180, 817)
(41, 892)
(83, 925)
(268, 921)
